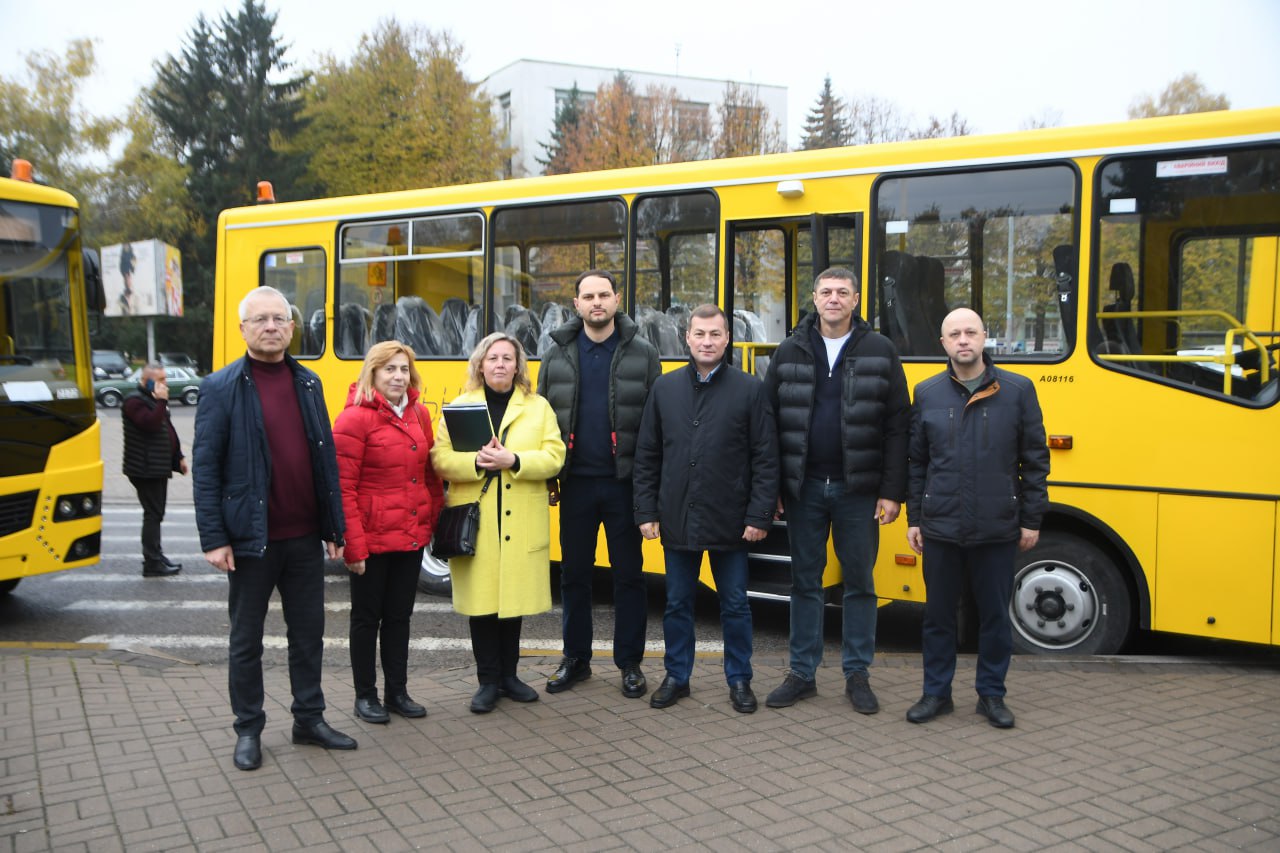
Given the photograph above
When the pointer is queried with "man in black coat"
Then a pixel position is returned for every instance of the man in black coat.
(706, 480)
(152, 452)
(977, 493)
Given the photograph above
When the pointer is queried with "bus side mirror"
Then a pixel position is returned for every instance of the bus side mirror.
(95, 296)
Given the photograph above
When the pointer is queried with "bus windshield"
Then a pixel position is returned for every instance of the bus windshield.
(37, 341)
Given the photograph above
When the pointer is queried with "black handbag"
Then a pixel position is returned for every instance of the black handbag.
(458, 528)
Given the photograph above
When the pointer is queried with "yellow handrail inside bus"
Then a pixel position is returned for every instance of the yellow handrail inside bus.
(749, 350)
(1227, 359)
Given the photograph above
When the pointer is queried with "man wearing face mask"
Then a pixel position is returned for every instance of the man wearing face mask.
(152, 452)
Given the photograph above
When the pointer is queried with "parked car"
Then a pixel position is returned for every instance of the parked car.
(179, 359)
(109, 364)
(184, 385)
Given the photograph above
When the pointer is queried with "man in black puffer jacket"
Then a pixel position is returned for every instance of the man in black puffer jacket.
(597, 378)
(152, 453)
(843, 413)
(978, 492)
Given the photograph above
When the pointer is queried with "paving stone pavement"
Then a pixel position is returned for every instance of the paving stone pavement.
(114, 750)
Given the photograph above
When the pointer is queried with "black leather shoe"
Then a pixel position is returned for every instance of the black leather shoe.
(484, 699)
(993, 708)
(164, 558)
(248, 752)
(858, 688)
(516, 690)
(633, 683)
(404, 706)
(322, 734)
(371, 711)
(668, 693)
(741, 697)
(568, 673)
(929, 707)
(792, 689)
(158, 569)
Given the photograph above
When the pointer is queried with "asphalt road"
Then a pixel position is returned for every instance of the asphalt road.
(185, 616)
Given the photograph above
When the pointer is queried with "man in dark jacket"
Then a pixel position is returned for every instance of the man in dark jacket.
(597, 377)
(706, 479)
(266, 495)
(152, 452)
(977, 495)
(840, 397)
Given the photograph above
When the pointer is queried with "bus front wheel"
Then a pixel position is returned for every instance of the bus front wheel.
(6, 587)
(433, 576)
(1069, 597)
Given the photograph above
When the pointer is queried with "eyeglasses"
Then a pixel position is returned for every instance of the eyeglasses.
(264, 319)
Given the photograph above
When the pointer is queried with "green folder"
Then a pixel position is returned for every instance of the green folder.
(468, 425)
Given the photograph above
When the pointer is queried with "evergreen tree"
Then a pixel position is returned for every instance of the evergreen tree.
(827, 125)
(568, 117)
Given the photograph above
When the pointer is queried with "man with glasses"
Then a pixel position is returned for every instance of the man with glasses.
(267, 495)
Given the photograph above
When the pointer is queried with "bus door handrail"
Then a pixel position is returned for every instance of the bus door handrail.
(1227, 359)
(749, 350)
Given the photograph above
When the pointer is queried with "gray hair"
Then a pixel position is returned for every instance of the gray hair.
(265, 290)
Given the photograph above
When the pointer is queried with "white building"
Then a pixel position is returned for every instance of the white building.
(527, 92)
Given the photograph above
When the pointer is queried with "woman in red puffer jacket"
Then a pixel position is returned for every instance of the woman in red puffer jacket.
(391, 498)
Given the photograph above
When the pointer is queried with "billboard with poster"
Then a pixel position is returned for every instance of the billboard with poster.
(142, 279)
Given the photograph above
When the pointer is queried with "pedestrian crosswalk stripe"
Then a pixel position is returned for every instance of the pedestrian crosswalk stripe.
(422, 644)
(218, 604)
(208, 575)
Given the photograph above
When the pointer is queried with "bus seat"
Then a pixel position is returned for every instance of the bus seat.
(297, 345)
(1120, 335)
(896, 271)
(353, 329)
(554, 315)
(1065, 266)
(315, 332)
(453, 320)
(471, 331)
(927, 331)
(415, 326)
(660, 330)
(680, 315)
(384, 322)
(521, 324)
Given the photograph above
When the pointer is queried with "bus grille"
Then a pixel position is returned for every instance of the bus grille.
(16, 512)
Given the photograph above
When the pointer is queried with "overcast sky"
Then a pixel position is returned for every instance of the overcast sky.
(995, 62)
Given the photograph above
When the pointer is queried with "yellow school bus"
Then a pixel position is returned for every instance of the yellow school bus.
(50, 449)
(1130, 270)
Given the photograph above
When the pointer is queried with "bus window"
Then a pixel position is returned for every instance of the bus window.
(985, 240)
(1187, 269)
(299, 274)
(675, 252)
(759, 285)
(538, 253)
(414, 280)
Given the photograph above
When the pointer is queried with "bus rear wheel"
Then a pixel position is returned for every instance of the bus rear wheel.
(6, 587)
(1069, 598)
(434, 577)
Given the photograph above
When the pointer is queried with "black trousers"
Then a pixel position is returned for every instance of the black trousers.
(585, 504)
(496, 644)
(296, 568)
(381, 605)
(153, 493)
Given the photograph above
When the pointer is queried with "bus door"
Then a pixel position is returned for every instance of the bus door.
(768, 288)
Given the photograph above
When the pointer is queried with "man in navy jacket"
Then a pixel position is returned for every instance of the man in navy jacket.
(976, 496)
(706, 479)
(266, 495)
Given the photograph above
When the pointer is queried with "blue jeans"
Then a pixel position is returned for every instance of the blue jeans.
(823, 509)
(990, 570)
(296, 568)
(585, 504)
(730, 571)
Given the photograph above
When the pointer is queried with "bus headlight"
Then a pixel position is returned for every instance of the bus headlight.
(84, 548)
(81, 505)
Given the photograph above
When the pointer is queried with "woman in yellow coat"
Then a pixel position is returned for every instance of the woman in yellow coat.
(510, 576)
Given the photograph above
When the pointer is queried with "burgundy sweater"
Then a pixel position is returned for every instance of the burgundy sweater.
(292, 510)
